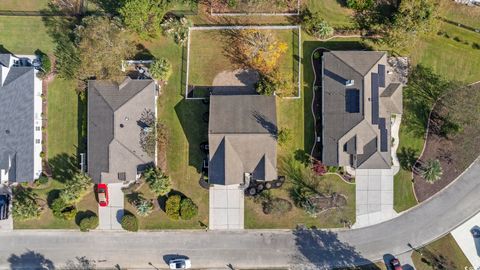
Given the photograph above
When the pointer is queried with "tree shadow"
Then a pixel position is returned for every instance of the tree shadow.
(4, 50)
(142, 53)
(83, 214)
(30, 260)
(407, 157)
(52, 195)
(63, 167)
(111, 7)
(269, 126)
(317, 248)
(195, 129)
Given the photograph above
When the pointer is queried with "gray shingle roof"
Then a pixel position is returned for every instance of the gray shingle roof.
(17, 122)
(113, 132)
(356, 125)
(242, 138)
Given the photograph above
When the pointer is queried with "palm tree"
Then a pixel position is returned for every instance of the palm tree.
(432, 171)
(144, 207)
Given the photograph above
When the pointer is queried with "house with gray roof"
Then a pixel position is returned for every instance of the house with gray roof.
(242, 139)
(20, 120)
(114, 150)
(359, 98)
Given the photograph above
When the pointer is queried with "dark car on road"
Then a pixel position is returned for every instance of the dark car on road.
(395, 264)
(4, 203)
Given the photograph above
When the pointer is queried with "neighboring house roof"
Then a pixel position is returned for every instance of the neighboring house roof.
(114, 150)
(17, 94)
(358, 100)
(242, 138)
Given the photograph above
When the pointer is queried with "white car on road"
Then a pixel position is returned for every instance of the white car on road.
(180, 263)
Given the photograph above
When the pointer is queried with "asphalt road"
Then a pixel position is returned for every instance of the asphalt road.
(300, 249)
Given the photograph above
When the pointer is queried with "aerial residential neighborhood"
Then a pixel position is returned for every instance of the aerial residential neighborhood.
(240, 134)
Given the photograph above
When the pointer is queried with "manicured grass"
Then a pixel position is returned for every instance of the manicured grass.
(46, 219)
(449, 58)
(333, 12)
(159, 220)
(256, 219)
(63, 108)
(208, 56)
(23, 5)
(446, 247)
(186, 130)
(23, 35)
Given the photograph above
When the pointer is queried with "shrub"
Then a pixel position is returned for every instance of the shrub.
(130, 223)
(457, 39)
(24, 204)
(161, 69)
(274, 83)
(360, 4)
(42, 155)
(177, 29)
(316, 55)
(63, 210)
(265, 86)
(42, 180)
(432, 171)
(315, 25)
(158, 182)
(319, 168)
(172, 207)
(284, 136)
(46, 64)
(276, 206)
(75, 188)
(144, 207)
(88, 223)
(476, 46)
(188, 209)
(231, 3)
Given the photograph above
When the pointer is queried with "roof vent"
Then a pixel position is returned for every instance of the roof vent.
(349, 82)
(7, 131)
(121, 125)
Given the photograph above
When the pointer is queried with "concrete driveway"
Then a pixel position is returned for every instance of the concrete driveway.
(110, 217)
(374, 197)
(6, 224)
(469, 245)
(226, 207)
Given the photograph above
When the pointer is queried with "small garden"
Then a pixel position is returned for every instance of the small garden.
(309, 197)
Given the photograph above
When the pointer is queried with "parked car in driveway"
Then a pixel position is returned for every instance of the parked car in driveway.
(180, 263)
(395, 264)
(102, 193)
(4, 205)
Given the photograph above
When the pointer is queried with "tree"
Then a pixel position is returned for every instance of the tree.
(315, 25)
(360, 4)
(432, 171)
(63, 210)
(188, 209)
(24, 204)
(407, 158)
(129, 222)
(88, 223)
(161, 69)
(144, 16)
(172, 207)
(158, 182)
(274, 82)
(259, 50)
(76, 187)
(177, 29)
(70, 7)
(284, 136)
(102, 43)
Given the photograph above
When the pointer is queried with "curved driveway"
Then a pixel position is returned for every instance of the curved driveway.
(305, 249)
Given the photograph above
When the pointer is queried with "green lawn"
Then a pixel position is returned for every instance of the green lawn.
(256, 219)
(449, 58)
(23, 5)
(446, 247)
(47, 220)
(23, 35)
(333, 12)
(461, 13)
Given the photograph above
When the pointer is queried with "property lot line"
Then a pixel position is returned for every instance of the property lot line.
(245, 27)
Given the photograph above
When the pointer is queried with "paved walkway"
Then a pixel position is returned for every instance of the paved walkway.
(111, 215)
(226, 207)
(374, 197)
(6, 224)
(469, 245)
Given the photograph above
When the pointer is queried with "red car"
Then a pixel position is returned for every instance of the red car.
(396, 265)
(102, 192)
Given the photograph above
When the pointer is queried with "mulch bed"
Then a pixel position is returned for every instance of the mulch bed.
(455, 153)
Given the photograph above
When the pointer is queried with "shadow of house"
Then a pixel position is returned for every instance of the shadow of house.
(63, 167)
(189, 114)
(323, 250)
(30, 260)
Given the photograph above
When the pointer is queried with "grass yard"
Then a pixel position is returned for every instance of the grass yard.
(446, 247)
(452, 59)
(333, 12)
(459, 13)
(23, 5)
(256, 219)
(208, 56)
(23, 35)
(186, 130)
(46, 219)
